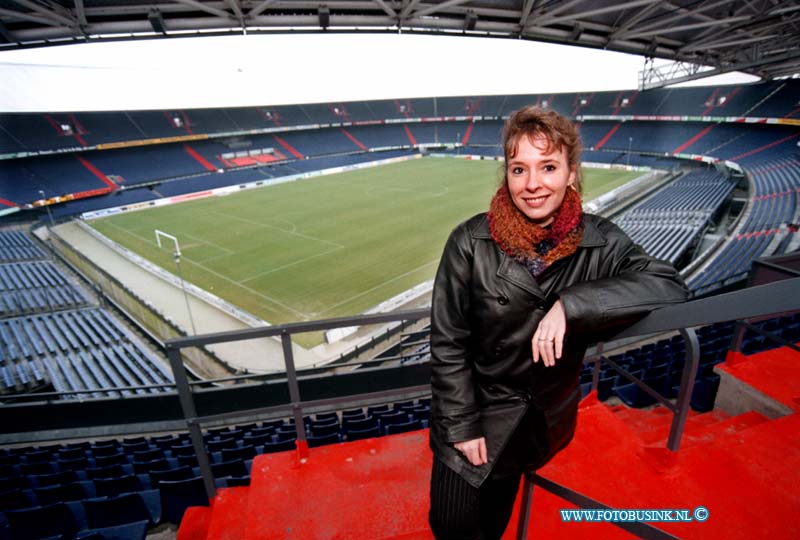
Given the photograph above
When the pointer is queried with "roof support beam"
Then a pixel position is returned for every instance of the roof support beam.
(260, 8)
(753, 33)
(526, 12)
(634, 19)
(671, 29)
(723, 43)
(204, 7)
(408, 9)
(386, 9)
(55, 19)
(548, 21)
(437, 7)
(666, 75)
(560, 9)
(27, 17)
(80, 11)
(237, 11)
(5, 35)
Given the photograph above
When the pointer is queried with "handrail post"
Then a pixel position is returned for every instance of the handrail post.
(598, 359)
(738, 337)
(683, 403)
(294, 395)
(526, 506)
(190, 415)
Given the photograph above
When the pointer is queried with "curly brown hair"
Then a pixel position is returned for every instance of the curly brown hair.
(557, 130)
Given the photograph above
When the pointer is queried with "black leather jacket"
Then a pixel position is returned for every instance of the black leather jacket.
(486, 307)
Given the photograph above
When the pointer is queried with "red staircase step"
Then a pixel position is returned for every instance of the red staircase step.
(194, 525)
(729, 426)
(772, 372)
(657, 431)
(229, 518)
(325, 495)
(377, 489)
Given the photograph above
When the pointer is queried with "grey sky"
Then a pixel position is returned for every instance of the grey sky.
(280, 69)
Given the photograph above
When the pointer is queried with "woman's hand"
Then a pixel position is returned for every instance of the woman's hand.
(548, 340)
(474, 450)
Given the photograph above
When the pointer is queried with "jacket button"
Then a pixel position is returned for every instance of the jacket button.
(502, 300)
(541, 306)
(498, 350)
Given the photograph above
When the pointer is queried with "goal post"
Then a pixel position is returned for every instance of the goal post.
(160, 234)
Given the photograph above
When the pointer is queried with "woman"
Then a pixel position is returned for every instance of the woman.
(519, 294)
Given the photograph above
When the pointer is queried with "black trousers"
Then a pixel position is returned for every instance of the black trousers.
(460, 511)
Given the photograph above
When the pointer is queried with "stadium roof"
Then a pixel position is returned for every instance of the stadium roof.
(698, 38)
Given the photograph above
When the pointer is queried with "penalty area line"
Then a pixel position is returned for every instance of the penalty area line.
(293, 263)
(376, 287)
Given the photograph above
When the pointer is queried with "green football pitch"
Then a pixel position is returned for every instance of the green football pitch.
(327, 246)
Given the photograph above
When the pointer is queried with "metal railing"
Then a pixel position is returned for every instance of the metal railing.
(679, 409)
(752, 303)
(780, 297)
(194, 422)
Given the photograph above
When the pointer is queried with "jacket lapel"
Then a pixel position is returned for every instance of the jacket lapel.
(514, 272)
(592, 237)
(509, 269)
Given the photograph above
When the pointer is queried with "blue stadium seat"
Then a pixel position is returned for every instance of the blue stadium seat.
(54, 479)
(55, 520)
(178, 495)
(120, 510)
(129, 531)
(256, 440)
(633, 396)
(215, 446)
(158, 464)
(120, 458)
(367, 433)
(322, 440)
(178, 473)
(704, 393)
(234, 467)
(404, 427)
(349, 425)
(320, 430)
(240, 453)
(16, 499)
(74, 491)
(386, 420)
(279, 446)
(110, 487)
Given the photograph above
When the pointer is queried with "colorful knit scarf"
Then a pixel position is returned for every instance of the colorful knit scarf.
(534, 246)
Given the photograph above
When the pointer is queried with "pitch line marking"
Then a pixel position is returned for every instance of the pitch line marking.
(223, 277)
(295, 233)
(375, 191)
(245, 287)
(212, 244)
(293, 263)
(362, 293)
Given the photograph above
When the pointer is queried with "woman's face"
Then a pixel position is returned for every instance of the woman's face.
(538, 181)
